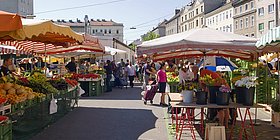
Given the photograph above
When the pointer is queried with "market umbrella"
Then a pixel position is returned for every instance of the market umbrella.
(9, 21)
(199, 42)
(270, 41)
(218, 64)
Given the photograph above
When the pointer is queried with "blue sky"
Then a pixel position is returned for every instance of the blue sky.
(129, 12)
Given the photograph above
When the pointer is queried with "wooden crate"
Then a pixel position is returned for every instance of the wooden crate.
(275, 119)
(215, 132)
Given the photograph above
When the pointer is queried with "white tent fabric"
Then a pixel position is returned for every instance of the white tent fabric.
(113, 51)
(198, 39)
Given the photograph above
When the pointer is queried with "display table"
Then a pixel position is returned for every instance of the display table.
(92, 87)
(187, 116)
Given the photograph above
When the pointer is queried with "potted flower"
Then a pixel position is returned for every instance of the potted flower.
(275, 115)
(186, 88)
(201, 96)
(173, 81)
(213, 85)
(247, 90)
(223, 95)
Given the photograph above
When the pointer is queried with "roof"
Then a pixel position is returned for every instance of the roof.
(174, 17)
(92, 22)
(121, 43)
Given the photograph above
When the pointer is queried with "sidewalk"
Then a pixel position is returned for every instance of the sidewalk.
(117, 115)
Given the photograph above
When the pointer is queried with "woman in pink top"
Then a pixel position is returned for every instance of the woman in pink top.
(162, 79)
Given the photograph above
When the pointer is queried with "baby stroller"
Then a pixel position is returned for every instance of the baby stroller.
(150, 93)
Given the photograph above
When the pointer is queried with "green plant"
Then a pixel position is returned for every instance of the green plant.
(276, 105)
(187, 85)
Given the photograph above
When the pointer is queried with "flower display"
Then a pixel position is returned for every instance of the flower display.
(172, 77)
(208, 80)
(248, 82)
(187, 85)
(225, 89)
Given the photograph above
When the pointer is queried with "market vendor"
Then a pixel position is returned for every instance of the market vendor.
(4, 68)
(71, 66)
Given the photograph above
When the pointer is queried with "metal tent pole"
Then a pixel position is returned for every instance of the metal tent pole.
(257, 74)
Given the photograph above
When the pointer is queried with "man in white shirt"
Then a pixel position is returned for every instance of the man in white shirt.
(131, 72)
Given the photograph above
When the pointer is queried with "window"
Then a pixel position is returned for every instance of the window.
(117, 31)
(101, 30)
(261, 11)
(226, 14)
(196, 11)
(247, 35)
(230, 14)
(201, 9)
(202, 21)
(110, 31)
(196, 23)
(246, 22)
(186, 17)
(235, 11)
(270, 24)
(246, 7)
(96, 30)
(223, 16)
(182, 19)
(236, 24)
(252, 21)
(105, 31)
(252, 4)
(241, 24)
(252, 35)
(230, 28)
(210, 21)
(220, 17)
(213, 20)
(240, 9)
(93, 31)
(271, 8)
(182, 28)
(186, 27)
(217, 18)
(224, 28)
(261, 26)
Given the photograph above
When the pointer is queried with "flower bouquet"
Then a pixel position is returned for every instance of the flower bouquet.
(223, 95)
(172, 77)
(248, 82)
(186, 88)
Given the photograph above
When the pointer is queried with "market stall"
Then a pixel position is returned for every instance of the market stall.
(29, 100)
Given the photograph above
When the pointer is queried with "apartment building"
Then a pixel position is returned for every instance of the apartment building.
(194, 13)
(21, 7)
(244, 18)
(221, 18)
(172, 25)
(266, 16)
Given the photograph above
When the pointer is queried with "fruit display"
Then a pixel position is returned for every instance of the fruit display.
(38, 82)
(59, 84)
(172, 77)
(15, 93)
(85, 76)
(71, 82)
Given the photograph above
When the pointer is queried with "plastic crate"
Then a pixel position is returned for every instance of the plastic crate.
(7, 136)
(5, 128)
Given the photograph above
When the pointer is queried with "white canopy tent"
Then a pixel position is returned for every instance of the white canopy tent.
(200, 42)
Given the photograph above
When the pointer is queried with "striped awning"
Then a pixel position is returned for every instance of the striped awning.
(29, 46)
(268, 41)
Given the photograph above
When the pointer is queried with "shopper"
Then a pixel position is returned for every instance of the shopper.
(109, 72)
(131, 74)
(162, 79)
(182, 74)
(71, 66)
(147, 72)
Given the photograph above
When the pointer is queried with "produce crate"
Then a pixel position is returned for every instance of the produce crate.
(6, 131)
(6, 109)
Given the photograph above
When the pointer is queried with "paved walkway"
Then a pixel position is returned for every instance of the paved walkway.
(117, 115)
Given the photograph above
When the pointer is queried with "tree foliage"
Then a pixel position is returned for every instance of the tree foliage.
(150, 36)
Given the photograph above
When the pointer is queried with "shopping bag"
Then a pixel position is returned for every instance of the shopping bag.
(81, 91)
(53, 106)
(167, 88)
(113, 78)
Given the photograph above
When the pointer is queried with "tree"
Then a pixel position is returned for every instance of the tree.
(132, 46)
(150, 36)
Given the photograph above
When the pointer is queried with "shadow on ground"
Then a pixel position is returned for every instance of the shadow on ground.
(118, 94)
(100, 124)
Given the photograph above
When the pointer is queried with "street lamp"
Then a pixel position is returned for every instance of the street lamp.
(132, 28)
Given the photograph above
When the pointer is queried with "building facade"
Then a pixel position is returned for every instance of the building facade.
(160, 29)
(266, 16)
(221, 18)
(194, 13)
(245, 17)
(22, 7)
(172, 25)
(98, 27)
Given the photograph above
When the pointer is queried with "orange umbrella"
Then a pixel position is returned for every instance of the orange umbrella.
(9, 21)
